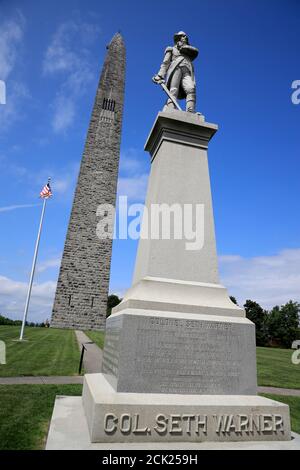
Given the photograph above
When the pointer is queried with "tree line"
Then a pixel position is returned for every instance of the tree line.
(8, 321)
(277, 327)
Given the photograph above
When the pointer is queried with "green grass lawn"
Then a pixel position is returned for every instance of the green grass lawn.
(25, 414)
(97, 337)
(48, 351)
(294, 404)
(275, 368)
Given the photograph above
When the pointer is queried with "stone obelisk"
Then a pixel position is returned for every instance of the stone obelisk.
(82, 288)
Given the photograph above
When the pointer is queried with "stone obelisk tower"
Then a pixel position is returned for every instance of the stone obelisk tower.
(82, 288)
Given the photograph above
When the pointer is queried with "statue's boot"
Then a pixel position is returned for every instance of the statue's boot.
(191, 102)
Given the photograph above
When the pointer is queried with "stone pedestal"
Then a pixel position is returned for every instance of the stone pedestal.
(176, 330)
(161, 417)
(179, 360)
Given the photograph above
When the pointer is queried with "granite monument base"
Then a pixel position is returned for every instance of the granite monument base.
(69, 431)
(149, 417)
(153, 351)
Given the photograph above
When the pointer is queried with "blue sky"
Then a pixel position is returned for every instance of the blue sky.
(51, 54)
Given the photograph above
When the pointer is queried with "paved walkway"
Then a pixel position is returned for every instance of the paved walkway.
(92, 359)
(51, 379)
(280, 391)
(78, 379)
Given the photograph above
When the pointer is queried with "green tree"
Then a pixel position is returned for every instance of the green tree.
(233, 299)
(283, 323)
(259, 317)
(112, 301)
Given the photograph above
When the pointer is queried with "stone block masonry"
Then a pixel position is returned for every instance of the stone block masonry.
(82, 288)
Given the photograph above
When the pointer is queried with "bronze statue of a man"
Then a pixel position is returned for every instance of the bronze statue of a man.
(177, 71)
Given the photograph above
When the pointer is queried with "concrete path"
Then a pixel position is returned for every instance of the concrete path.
(78, 379)
(92, 359)
(280, 391)
(53, 380)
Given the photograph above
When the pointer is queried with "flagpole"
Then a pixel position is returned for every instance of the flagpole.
(33, 269)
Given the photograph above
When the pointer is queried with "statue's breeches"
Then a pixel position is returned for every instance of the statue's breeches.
(188, 84)
(181, 83)
(181, 77)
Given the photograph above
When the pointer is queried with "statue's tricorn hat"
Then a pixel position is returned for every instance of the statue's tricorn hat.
(178, 35)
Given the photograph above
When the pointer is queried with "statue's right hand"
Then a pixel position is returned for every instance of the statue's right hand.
(157, 79)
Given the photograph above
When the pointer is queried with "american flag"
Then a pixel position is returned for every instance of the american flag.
(46, 191)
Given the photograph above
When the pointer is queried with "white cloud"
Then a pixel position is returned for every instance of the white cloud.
(50, 263)
(64, 113)
(68, 58)
(17, 171)
(11, 38)
(133, 161)
(133, 178)
(13, 296)
(12, 111)
(11, 35)
(269, 280)
(62, 185)
(59, 56)
(133, 187)
(17, 206)
(62, 56)
(63, 180)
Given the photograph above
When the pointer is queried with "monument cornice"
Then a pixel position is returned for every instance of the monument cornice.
(179, 127)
